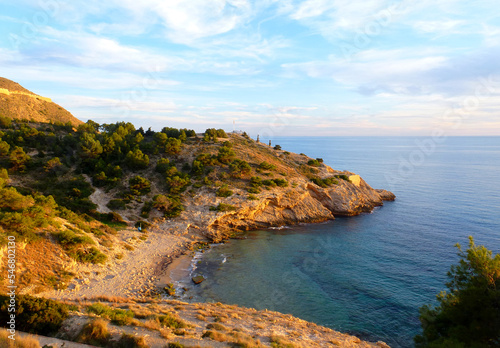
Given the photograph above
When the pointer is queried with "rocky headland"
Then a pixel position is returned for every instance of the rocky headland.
(128, 203)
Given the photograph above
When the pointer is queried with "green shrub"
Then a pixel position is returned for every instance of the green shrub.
(163, 164)
(35, 315)
(5, 122)
(213, 134)
(326, 182)
(116, 315)
(72, 194)
(139, 185)
(146, 209)
(253, 190)
(281, 182)
(13, 200)
(226, 153)
(137, 160)
(206, 159)
(253, 198)
(116, 204)
(269, 182)
(468, 314)
(173, 146)
(171, 321)
(221, 133)
(255, 181)
(222, 207)
(178, 183)
(4, 148)
(91, 255)
(267, 166)
(175, 345)
(171, 206)
(19, 159)
(224, 191)
(343, 177)
(239, 168)
(313, 163)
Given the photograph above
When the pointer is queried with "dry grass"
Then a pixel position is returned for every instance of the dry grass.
(141, 312)
(216, 326)
(200, 317)
(95, 333)
(20, 342)
(112, 299)
(128, 246)
(245, 341)
(216, 336)
(43, 265)
(130, 341)
(152, 324)
(166, 333)
(259, 326)
(282, 342)
(234, 315)
(204, 313)
(220, 318)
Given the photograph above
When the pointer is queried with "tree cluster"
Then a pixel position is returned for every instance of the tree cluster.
(468, 314)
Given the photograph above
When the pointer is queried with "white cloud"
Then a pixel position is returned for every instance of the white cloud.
(92, 51)
(440, 27)
(394, 71)
(194, 19)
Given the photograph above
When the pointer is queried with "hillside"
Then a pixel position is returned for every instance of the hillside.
(16, 103)
(103, 210)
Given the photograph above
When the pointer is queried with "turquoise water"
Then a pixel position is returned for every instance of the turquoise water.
(369, 274)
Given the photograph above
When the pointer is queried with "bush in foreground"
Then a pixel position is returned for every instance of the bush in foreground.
(469, 314)
(35, 315)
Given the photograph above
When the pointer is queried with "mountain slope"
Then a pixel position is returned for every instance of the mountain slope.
(16, 102)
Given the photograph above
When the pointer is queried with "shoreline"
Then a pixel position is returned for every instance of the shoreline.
(177, 269)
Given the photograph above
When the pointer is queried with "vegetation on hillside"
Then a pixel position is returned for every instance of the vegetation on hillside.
(468, 314)
(50, 170)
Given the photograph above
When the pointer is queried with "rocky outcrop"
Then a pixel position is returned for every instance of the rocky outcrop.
(347, 198)
(305, 203)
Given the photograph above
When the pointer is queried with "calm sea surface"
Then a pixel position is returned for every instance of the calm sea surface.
(368, 275)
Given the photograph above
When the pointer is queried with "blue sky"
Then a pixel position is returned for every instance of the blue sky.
(311, 67)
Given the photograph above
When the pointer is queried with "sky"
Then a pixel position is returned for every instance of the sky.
(268, 67)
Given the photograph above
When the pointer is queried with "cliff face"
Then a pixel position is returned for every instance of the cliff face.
(305, 203)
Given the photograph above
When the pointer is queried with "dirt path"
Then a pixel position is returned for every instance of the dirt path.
(100, 198)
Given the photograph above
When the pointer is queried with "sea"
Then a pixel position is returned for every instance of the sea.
(368, 275)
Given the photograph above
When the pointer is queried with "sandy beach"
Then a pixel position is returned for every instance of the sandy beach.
(161, 259)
